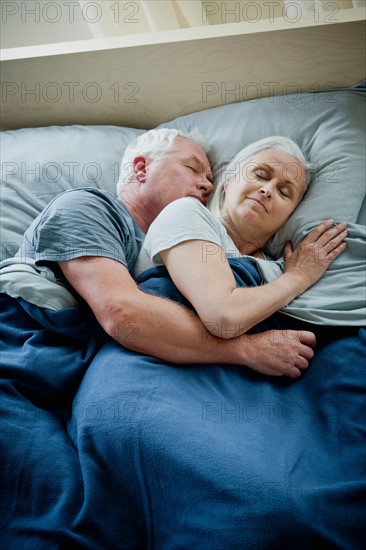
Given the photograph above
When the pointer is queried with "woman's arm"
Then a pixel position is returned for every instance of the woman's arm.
(157, 326)
(227, 311)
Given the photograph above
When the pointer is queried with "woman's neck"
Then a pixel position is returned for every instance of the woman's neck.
(246, 246)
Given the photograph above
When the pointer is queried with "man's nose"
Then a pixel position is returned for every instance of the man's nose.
(205, 185)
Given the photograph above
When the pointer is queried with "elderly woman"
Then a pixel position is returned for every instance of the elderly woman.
(255, 195)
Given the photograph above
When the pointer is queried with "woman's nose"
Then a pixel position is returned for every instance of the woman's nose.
(265, 190)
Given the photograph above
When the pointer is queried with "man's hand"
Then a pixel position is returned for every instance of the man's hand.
(156, 326)
(280, 352)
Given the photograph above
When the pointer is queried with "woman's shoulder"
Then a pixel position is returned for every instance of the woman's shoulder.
(182, 211)
(186, 204)
(182, 220)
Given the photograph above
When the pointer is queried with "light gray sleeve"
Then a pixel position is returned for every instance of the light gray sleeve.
(183, 220)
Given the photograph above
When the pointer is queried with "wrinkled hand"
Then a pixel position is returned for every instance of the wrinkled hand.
(317, 251)
(281, 352)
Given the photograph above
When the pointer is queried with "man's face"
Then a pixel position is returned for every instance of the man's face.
(183, 172)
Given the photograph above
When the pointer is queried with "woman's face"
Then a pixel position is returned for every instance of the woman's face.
(261, 197)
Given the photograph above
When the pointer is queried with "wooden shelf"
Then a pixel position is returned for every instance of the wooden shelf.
(143, 80)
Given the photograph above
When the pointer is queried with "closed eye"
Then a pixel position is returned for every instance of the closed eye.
(261, 175)
(284, 191)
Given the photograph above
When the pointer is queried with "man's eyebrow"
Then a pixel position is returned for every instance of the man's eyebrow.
(203, 165)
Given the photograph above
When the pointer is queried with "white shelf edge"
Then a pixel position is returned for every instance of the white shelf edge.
(180, 35)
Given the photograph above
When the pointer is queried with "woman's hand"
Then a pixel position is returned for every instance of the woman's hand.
(319, 249)
(207, 281)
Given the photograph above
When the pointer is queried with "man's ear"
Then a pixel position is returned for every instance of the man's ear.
(139, 168)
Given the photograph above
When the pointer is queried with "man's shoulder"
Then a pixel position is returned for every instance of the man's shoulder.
(83, 198)
(91, 192)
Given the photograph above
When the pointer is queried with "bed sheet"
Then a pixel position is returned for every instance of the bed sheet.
(106, 448)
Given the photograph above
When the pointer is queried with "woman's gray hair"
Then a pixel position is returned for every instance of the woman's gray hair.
(155, 144)
(235, 166)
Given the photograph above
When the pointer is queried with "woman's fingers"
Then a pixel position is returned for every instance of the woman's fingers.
(326, 242)
(332, 233)
(332, 243)
(326, 232)
(319, 230)
(288, 250)
(336, 243)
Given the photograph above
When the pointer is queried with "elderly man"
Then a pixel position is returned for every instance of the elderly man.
(86, 243)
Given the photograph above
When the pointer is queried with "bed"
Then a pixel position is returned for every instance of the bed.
(103, 448)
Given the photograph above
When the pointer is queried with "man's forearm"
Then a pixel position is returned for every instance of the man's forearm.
(143, 322)
(174, 334)
(156, 326)
(162, 328)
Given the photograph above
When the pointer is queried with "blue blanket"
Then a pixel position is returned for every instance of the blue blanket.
(105, 448)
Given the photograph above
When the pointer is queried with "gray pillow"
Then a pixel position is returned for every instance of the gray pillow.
(39, 163)
(329, 127)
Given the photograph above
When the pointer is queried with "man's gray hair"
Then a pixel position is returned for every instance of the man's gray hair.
(235, 166)
(155, 144)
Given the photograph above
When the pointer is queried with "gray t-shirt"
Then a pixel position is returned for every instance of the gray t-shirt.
(338, 298)
(77, 223)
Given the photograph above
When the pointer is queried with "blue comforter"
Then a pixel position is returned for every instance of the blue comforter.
(103, 448)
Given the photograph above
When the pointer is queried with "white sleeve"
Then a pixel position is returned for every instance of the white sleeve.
(183, 220)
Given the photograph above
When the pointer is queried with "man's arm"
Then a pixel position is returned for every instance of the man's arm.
(156, 326)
